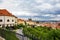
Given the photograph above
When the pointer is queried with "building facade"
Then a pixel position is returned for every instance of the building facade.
(21, 21)
(7, 19)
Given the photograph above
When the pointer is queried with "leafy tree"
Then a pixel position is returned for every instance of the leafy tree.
(42, 33)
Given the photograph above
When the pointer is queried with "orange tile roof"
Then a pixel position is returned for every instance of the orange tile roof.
(4, 12)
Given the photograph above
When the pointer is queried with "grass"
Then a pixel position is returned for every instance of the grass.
(8, 35)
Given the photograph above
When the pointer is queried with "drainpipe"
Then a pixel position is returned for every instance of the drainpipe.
(4, 22)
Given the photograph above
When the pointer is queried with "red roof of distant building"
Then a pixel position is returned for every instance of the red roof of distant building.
(4, 12)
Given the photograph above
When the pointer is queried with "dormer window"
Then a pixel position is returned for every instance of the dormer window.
(0, 25)
(8, 20)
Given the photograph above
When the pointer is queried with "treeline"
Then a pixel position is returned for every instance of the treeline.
(42, 33)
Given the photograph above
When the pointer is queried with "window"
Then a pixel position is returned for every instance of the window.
(0, 20)
(0, 25)
(12, 20)
(8, 20)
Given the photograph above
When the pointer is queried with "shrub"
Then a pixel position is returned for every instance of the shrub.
(8, 35)
(21, 25)
(7, 27)
(42, 33)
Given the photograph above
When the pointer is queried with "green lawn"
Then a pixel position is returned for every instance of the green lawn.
(8, 35)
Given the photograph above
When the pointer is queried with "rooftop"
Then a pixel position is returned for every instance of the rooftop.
(4, 12)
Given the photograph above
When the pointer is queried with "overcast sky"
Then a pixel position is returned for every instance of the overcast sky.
(35, 9)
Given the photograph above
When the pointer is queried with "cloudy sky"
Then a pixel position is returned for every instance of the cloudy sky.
(35, 9)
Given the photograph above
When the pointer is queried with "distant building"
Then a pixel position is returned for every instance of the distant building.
(30, 22)
(21, 21)
(7, 19)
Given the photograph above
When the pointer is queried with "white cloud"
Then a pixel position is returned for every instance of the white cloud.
(49, 15)
(24, 13)
(58, 15)
(8, 4)
(58, 5)
(54, 0)
(55, 19)
(39, 1)
(13, 6)
(44, 6)
(57, 0)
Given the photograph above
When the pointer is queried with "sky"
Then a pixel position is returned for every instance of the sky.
(34, 9)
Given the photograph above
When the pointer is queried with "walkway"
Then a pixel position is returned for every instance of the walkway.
(20, 35)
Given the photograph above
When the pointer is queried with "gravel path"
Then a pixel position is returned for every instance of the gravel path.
(19, 31)
(20, 35)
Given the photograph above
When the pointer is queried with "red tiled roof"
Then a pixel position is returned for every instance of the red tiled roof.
(4, 12)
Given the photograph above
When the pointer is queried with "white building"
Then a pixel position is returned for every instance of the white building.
(7, 19)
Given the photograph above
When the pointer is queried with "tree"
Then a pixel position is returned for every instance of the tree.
(37, 21)
(30, 19)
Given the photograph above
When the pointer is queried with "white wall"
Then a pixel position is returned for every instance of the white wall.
(10, 23)
(2, 17)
